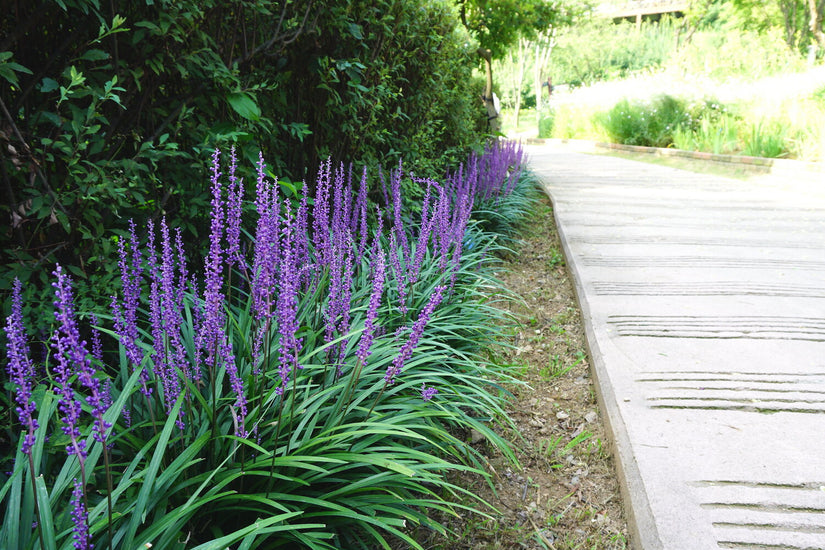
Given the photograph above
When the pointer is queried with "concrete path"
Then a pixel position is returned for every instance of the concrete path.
(704, 304)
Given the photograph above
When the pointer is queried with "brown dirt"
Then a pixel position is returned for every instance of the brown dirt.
(564, 493)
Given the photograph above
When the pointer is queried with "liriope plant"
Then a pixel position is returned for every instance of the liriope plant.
(311, 387)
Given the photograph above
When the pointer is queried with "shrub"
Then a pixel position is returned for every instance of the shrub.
(501, 209)
(648, 123)
(598, 49)
(110, 117)
(547, 124)
(309, 389)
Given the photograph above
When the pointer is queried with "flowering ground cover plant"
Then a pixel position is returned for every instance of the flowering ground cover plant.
(310, 387)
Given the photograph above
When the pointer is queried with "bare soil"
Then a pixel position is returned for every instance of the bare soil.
(564, 493)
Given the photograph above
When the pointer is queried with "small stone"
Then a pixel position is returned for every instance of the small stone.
(476, 436)
(561, 415)
(591, 417)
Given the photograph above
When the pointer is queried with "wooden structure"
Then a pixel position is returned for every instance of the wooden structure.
(627, 9)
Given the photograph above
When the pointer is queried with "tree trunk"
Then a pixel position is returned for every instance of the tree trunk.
(544, 47)
(816, 8)
(522, 61)
(492, 113)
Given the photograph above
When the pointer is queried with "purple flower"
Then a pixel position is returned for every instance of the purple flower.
(125, 316)
(80, 519)
(20, 367)
(97, 343)
(287, 306)
(213, 320)
(236, 384)
(372, 310)
(172, 304)
(398, 272)
(86, 372)
(302, 240)
(211, 334)
(71, 355)
(361, 211)
(233, 214)
(395, 189)
(162, 356)
(443, 229)
(340, 291)
(427, 392)
(415, 335)
(265, 261)
(320, 214)
(425, 229)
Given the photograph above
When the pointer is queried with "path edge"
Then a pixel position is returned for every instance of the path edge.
(755, 165)
(640, 521)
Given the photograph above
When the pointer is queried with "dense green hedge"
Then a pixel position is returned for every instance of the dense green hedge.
(112, 109)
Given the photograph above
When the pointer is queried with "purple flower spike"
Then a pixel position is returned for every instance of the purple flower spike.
(233, 214)
(125, 316)
(87, 379)
(70, 352)
(80, 518)
(321, 213)
(236, 384)
(372, 310)
(287, 306)
(361, 211)
(415, 335)
(398, 271)
(20, 367)
(395, 189)
(428, 392)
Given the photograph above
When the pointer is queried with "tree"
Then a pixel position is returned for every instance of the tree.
(817, 9)
(498, 24)
(801, 21)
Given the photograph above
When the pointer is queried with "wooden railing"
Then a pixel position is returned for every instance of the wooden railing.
(630, 8)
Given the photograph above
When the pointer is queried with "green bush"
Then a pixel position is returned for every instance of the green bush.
(546, 124)
(113, 115)
(642, 122)
(598, 50)
(311, 387)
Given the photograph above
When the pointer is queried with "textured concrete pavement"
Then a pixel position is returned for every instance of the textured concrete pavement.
(704, 305)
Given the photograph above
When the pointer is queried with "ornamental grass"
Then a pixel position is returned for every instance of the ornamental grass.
(310, 385)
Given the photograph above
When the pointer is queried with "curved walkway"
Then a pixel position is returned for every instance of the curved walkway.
(704, 304)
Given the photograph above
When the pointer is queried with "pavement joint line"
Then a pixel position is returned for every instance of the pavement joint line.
(712, 397)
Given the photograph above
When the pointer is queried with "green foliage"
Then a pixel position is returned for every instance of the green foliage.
(505, 216)
(597, 49)
(498, 24)
(112, 115)
(789, 18)
(722, 54)
(764, 139)
(546, 124)
(336, 459)
(642, 122)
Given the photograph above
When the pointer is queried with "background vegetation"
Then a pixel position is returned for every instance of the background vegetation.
(111, 112)
(308, 387)
(687, 82)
